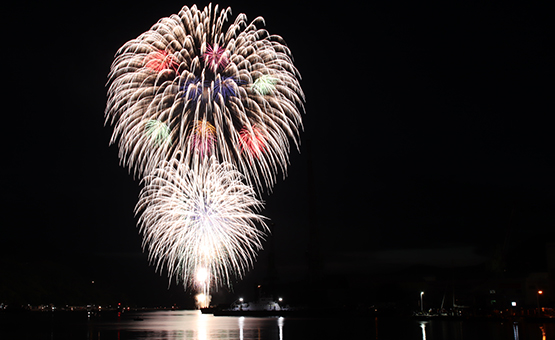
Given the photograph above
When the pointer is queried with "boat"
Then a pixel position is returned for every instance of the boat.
(264, 307)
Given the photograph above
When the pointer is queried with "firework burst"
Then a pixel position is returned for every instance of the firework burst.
(205, 112)
(200, 223)
(203, 139)
(194, 66)
(253, 141)
(158, 131)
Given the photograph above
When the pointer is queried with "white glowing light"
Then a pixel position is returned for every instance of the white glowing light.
(202, 275)
(200, 223)
(201, 299)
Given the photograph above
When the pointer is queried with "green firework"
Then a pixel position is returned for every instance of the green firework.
(265, 84)
(158, 131)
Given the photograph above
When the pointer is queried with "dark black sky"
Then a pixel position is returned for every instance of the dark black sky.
(428, 136)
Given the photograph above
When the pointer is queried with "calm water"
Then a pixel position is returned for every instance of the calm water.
(172, 325)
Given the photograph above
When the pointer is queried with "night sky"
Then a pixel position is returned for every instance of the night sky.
(428, 141)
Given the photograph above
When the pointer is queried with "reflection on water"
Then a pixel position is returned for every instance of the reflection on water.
(241, 325)
(201, 327)
(280, 325)
(423, 326)
(515, 330)
(241, 322)
(192, 325)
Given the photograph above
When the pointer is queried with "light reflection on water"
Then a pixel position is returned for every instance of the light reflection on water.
(192, 325)
(423, 326)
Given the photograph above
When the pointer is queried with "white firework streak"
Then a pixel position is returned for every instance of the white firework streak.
(188, 68)
(200, 221)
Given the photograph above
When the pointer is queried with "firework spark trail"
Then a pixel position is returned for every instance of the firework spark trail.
(204, 112)
(200, 221)
(193, 67)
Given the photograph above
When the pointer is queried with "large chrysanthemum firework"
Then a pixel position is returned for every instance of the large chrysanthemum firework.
(193, 67)
(200, 223)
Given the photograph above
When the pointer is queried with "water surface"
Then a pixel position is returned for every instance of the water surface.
(192, 325)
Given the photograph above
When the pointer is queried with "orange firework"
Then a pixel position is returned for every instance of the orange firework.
(203, 137)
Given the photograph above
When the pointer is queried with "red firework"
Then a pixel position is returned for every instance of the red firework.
(253, 141)
(216, 57)
(160, 60)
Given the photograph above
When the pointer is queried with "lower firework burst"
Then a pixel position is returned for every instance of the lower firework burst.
(200, 223)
